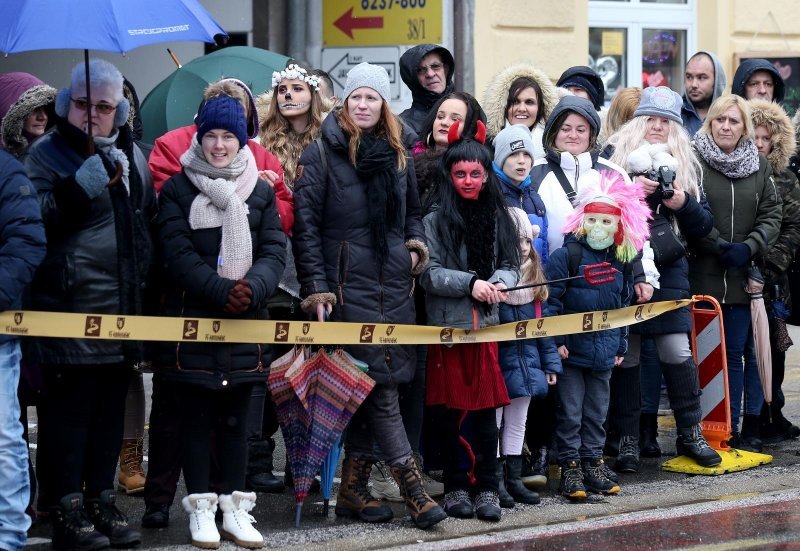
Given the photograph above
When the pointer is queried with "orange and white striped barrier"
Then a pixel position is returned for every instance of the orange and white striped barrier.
(708, 346)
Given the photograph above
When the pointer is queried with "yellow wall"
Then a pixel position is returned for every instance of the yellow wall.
(553, 35)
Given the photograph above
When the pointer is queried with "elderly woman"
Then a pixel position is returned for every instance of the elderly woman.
(357, 241)
(746, 205)
(224, 254)
(98, 256)
(685, 214)
(775, 140)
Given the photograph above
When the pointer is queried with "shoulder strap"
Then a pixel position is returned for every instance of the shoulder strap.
(537, 304)
(562, 179)
(575, 250)
(323, 158)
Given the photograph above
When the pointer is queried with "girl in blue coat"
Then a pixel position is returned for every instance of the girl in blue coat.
(528, 366)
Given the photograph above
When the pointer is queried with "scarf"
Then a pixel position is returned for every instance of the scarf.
(221, 202)
(109, 147)
(739, 163)
(480, 223)
(376, 165)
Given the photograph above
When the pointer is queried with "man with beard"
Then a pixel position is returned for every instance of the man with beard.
(704, 81)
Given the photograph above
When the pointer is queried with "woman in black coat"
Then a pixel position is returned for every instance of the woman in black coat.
(224, 253)
(358, 241)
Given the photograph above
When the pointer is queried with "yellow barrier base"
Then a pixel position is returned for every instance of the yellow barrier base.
(732, 461)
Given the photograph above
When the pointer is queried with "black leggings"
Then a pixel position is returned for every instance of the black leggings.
(224, 412)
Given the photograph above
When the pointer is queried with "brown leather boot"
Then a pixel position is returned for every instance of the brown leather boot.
(354, 499)
(131, 474)
(425, 512)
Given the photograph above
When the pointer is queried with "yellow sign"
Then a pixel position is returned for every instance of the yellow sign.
(381, 22)
(613, 42)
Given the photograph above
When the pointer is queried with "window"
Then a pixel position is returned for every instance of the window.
(641, 42)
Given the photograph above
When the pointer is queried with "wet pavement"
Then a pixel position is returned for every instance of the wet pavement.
(754, 509)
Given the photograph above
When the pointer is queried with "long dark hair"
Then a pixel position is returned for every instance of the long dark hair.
(474, 114)
(450, 226)
(517, 87)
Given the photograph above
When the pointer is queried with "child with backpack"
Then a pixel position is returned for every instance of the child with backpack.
(609, 224)
(473, 256)
(529, 366)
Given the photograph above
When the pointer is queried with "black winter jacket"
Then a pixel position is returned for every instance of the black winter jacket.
(22, 242)
(194, 289)
(334, 252)
(98, 250)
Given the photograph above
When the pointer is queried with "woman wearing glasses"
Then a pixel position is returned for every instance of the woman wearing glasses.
(98, 258)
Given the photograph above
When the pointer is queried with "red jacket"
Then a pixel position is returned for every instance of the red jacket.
(165, 162)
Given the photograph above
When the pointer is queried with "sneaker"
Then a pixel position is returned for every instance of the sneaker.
(382, 484)
(628, 457)
(594, 478)
(458, 504)
(487, 506)
(571, 485)
(432, 487)
(536, 479)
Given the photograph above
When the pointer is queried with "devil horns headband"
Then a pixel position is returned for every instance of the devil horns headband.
(452, 134)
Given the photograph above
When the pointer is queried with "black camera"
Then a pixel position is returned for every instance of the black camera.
(664, 176)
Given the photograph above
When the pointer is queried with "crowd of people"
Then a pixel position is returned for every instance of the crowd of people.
(297, 205)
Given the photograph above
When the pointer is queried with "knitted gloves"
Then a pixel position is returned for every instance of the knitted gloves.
(92, 176)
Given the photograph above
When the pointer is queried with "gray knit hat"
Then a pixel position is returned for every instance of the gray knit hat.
(371, 76)
(511, 139)
(660, 102)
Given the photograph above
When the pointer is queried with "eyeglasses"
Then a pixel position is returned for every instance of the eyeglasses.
(102, 108)
(435, 67)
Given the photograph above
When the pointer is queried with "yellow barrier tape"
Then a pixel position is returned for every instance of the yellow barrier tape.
(150, 328)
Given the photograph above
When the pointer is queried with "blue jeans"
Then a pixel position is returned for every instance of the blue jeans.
(14, 480)
(583, 396)
(742, 368)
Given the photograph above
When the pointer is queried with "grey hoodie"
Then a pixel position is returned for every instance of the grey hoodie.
(691, 120)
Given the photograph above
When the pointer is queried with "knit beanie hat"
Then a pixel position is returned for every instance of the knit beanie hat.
(511, 139)
(371, 76)
(583, 83)
(222, 112)
(660, 101)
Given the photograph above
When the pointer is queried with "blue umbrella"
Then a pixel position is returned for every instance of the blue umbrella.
(108, 25)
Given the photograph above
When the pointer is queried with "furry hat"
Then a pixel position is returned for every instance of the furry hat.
(771, 116)
(13, 138)
(609, 188)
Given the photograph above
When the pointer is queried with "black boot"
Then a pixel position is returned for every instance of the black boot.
(506, 501)
(259, 468)
(692, 443)
(628, 458)
(595, 479)
(750, 435)
(112, 522)
(72, 529)
(540, 470)
(648, 433)
(571, 485)
(514, 483)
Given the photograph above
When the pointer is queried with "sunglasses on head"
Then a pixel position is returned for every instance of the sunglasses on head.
(102, 108)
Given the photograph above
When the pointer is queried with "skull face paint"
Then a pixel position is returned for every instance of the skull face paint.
(601, 222)
(468, 178)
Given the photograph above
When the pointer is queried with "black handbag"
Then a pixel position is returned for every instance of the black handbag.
(667, 247)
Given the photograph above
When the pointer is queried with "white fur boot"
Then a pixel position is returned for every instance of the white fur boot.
(237, 523)
(201, 509)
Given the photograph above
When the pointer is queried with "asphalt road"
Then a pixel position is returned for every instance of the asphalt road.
(653, 506)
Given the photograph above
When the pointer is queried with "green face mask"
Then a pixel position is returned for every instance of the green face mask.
(600, 230)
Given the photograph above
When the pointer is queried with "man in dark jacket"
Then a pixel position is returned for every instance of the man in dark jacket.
(22, 248)
(704, 81)
(427, 70)
(584, 82)
(758, 78)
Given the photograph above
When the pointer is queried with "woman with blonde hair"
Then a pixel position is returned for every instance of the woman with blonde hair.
(619, 112)
(735, 175)
(358, 240)
(656, 127)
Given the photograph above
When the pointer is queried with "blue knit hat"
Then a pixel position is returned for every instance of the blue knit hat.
(225, 113)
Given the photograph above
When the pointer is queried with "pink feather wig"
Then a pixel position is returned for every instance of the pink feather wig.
(629, 197)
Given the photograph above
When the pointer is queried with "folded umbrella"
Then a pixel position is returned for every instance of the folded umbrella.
(758, 313)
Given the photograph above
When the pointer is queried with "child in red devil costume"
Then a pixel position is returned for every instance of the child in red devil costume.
(474, 255)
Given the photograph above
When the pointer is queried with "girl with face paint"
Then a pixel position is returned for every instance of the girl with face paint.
(474, 255)
(609, 224)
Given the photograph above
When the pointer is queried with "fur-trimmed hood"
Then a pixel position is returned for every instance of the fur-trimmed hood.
(774, 118)
(494, 98)
(31, 99)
